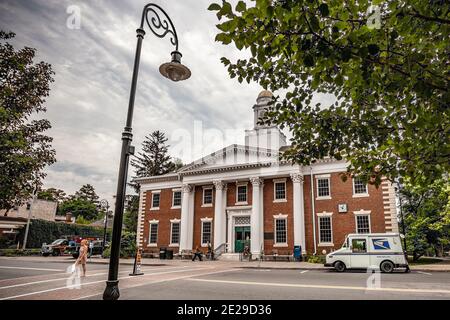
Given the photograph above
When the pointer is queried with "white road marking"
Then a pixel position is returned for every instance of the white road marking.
(167, 280)
(88, 283)
(304, 271)
(39, 269)
(274, 284)
(429, 274)
(59, 279)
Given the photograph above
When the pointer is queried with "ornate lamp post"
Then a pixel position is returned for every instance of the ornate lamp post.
(105, 204)
(175, 71)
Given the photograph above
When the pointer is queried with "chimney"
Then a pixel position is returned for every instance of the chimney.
(68, 217)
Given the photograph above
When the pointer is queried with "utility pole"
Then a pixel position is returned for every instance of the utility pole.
(29, 219)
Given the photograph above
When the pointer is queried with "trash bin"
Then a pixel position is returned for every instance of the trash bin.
(298, 253)
(169, 254)
(162, 253)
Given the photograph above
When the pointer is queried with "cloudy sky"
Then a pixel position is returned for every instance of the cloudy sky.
(93, 64)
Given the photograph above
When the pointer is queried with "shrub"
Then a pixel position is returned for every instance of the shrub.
(127, 246)
(315, 259)
(19, 252)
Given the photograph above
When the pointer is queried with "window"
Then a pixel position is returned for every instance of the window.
(176, 199)
(155, 200)
(206, 232)
(280, 231)
(280, 190)
(242, 193)
(359, 245)
(362, 224)
(153, 239)
(323, 187)
(207, 196)
(359, 187)
(175, 233)
(325, 231)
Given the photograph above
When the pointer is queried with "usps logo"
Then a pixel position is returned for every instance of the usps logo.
(381, 244)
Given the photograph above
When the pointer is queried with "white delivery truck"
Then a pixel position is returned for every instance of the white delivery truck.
(379, 251)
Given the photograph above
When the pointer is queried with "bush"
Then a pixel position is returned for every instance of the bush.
(315, 259)
(47, 231)
(127, 246)
(19, 252)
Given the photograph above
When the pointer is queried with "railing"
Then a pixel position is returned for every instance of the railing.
(219, 251)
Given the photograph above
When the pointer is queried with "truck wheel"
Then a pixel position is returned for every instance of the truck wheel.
(55, 253)
(46, 254)
(339, 266)
(387, 267)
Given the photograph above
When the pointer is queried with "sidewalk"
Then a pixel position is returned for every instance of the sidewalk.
(443, 266)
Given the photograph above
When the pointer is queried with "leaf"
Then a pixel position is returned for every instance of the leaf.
(223, 37)
(241, 6)
(323, 8)
(214, 7)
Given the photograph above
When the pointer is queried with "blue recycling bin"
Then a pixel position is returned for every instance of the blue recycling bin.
(298, 253)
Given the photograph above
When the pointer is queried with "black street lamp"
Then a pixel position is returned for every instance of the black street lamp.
(105, 204)
(174, 71)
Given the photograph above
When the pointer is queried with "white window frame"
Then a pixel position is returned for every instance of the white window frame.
(325, 215)
(362, 213)
(153, 194)
(173, 199)
(275, 181)
(203, 196)
(275, 218)
(242, 184)
(153, 244)
(172, 222)
(323, 177)
(203, 220)
(359, 195)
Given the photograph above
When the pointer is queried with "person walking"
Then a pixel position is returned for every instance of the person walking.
(197, 253)
(83, 255)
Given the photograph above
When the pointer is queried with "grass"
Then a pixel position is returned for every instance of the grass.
(424, 260)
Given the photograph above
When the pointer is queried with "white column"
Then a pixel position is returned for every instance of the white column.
(219, 214)
(299, 211)
(185, 218)
(256, 218)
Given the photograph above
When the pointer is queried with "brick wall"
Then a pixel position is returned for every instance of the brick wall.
(202, 212)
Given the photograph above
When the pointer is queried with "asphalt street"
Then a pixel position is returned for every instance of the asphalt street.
(24, 279)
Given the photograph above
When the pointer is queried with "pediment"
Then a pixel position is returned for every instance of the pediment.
(233, 155)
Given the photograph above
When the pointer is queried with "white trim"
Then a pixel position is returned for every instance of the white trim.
(203, 220)
(203, 196)
(151, 204)
(359, 195)
(242, 184)
(156, 191)
(362, 212)
(325, 215)
(172, 222)
(359, 214)
(177, 189)
(323, 177)
(275, 181)
(280, 245)
(275, 218)
(173, 198)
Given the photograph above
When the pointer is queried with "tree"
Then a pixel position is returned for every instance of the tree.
(24, 150)
(79, 207)
(386, 65)
(52, 194)
(131, 214)
(427, 217)
(87, 192)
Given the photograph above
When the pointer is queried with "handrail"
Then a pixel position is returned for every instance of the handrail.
(222, 248)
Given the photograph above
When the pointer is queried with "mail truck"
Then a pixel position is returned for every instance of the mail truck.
(378, 251)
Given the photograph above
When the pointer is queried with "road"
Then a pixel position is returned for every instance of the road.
(25, 279)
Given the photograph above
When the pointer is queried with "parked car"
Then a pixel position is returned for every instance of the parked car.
(382, 251)
(56, 248)
(95, 248)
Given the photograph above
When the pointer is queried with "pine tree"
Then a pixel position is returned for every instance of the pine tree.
(154, 160)
(87, 192)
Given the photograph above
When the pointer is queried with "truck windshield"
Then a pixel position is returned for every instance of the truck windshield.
(56, 242)
(345, 244)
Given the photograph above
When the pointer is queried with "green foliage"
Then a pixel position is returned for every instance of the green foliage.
(131, 214)
(52, 194)
(315, 259)
(127, 246)
(87, 192)
(24, 150)
(46, 231)
(81, 220)
(79, 207)
(19, 252)
(390, 115)
(427, 218)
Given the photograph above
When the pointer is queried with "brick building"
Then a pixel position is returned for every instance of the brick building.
(243, 195)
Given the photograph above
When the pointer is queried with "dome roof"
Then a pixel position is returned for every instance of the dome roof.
(265, 94)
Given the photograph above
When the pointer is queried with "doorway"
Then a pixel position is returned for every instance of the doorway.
(241, 238)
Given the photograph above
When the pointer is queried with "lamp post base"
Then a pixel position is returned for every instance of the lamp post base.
(112, 290)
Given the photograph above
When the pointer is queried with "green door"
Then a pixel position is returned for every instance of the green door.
(241, 238)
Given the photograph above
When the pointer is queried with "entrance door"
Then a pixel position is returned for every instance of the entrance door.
(241, 238)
